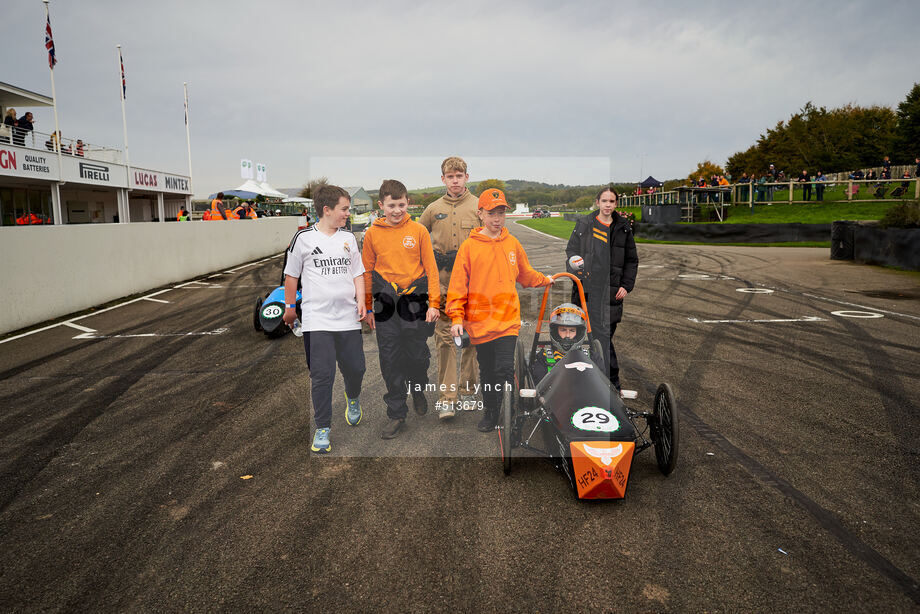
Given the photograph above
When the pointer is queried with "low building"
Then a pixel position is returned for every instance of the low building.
(361, 201)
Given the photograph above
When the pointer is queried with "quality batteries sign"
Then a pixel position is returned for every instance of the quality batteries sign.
(18, 162)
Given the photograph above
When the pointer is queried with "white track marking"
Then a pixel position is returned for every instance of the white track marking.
(92, 335)
(155, 300)
(754, 290)
(869, 315)
(78, 327)
(891, 313)
(143, 298)
(805, 319)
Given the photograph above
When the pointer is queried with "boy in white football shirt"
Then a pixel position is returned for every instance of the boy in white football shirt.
(326, 259)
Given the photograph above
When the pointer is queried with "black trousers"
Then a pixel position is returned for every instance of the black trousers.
(603, 330)
(404, 360)
(496, 370)
(324, 349)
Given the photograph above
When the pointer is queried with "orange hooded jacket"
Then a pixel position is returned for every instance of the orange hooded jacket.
(400, 254)
(482, 295)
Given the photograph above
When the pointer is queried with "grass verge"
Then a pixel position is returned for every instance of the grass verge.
(558, 227)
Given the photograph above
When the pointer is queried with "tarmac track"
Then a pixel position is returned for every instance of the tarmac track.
(123, 460)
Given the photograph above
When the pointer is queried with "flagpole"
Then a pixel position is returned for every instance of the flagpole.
(188, 141)
(57, 128)
(124, 124)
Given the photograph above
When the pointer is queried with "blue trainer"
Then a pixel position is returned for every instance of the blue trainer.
(352, 411)
(321, 444)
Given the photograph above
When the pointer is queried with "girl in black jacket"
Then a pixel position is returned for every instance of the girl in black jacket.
(602, 253)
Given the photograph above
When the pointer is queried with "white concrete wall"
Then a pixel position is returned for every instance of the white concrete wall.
(50, 271)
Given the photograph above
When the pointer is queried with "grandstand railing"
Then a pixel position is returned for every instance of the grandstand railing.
(42, 141)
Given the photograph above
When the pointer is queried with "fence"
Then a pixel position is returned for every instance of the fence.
(68, 147)
(849, 190)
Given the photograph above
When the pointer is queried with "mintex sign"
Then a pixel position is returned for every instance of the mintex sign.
(17, 162)
(153, 181)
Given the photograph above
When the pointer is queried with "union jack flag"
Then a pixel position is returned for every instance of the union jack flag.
(124, 89)
(49, 44)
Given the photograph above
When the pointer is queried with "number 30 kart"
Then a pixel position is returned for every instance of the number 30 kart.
(268, 312)
(585, 427)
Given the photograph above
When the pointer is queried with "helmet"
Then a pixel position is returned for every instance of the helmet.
(567, 314)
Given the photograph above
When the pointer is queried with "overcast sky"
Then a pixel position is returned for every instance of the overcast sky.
(362, 91)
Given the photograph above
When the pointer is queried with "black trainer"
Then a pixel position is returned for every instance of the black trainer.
(420, 403)
(489, 420)
(392, 428)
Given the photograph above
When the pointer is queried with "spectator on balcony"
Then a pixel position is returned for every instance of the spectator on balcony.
(23, 125)
(9, 124)
(78, 150)
(805, 180)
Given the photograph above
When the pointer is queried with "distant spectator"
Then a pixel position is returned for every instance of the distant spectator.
(773, 173)
(906, 175)
(871, 176)
(182, 216)
(9, 123)
(805, 180)
(886, 168)
(819, 186)
(743, 191)
(917, 171)
(23, 125)
(859, 175)
(78, 150)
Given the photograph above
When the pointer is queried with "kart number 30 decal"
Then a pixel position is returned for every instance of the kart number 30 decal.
(595, 419)
(272, 311)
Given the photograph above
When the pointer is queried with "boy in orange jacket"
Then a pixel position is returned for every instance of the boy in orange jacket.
(402, 299)
(483, 300)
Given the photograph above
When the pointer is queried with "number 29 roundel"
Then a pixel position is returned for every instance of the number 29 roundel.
(596, 419)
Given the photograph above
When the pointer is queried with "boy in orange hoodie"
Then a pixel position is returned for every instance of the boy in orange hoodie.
(483, 300)
(402, 299)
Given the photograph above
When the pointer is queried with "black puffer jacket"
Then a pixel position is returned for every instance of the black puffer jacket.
(624, 261)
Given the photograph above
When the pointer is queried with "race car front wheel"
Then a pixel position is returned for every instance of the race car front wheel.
(256, 323)
(666, 429)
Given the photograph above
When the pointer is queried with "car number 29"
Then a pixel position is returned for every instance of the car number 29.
(595, 419)
(272, 311)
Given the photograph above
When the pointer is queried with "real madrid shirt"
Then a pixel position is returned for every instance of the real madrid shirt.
(327, 267)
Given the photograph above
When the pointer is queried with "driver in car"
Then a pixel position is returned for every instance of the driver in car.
(567, 329)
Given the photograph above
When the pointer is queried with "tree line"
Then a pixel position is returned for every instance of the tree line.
(835, 140)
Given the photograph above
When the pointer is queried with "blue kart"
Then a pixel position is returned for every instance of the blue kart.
(267, 316)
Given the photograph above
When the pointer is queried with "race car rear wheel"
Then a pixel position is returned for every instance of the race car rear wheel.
(506, 430)
(522, 375)
(665, 429)
(256, 322)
